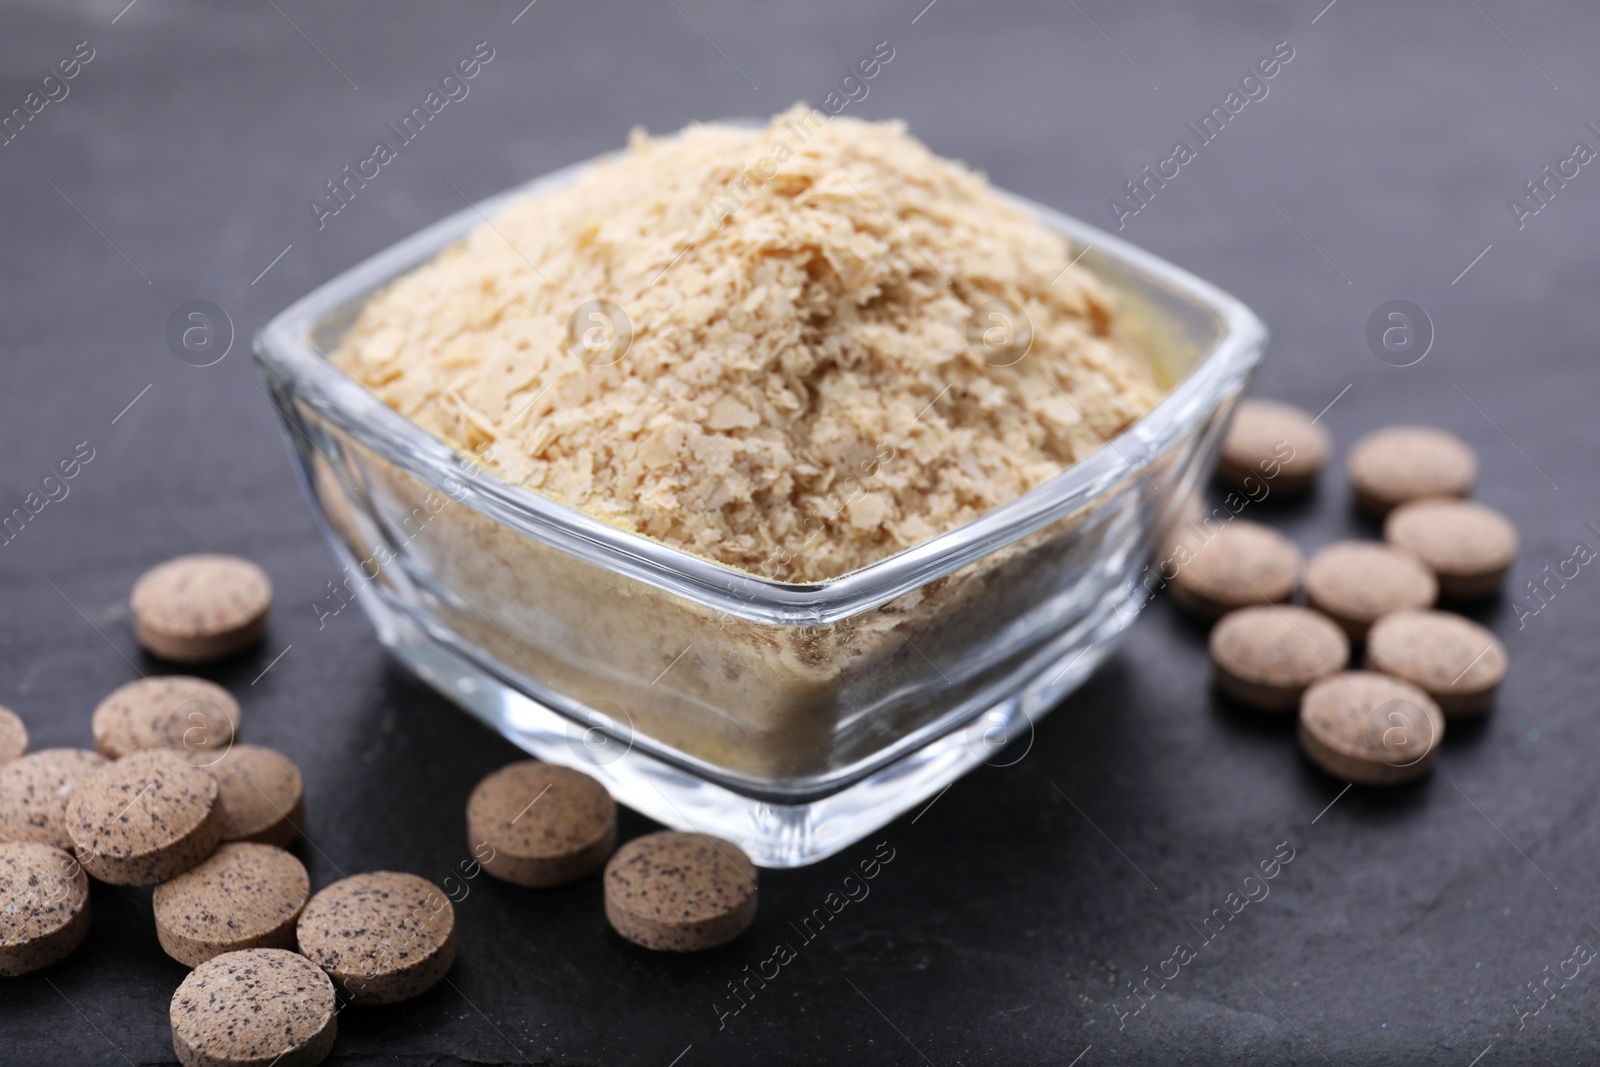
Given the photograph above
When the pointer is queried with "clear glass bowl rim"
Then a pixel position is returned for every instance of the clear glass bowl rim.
(295, 370)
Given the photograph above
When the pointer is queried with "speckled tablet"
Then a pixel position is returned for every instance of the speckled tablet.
(1242, 563)
(44, 906)
(1469, 547)
(244, 895)
(144, 819)
(1275, 445)
(1394, 466)
(199, 608)
(34, 791)
(1266, 657)
(263, 794)
(1369, 728)
(543, 825)
(13, 736)
(254, 1008)
(680, 892)
(1355, 583)
(382, 937)
(1452, 659)
(169, 711)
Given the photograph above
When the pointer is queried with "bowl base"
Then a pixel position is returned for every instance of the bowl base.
(774, 834)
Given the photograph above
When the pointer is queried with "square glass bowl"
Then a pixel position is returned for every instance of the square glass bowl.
(793, 719)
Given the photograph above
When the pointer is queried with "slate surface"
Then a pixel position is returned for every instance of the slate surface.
(1409, 924)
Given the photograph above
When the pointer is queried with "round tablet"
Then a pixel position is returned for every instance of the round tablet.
(1355, 583)
(257, 1007)
(383, 937)
(1369, 728)
(44, 906)
(34, 791)
(13, 736)
(144, 819)
(171, 711)
(1391, 467)
(1273, 444)
(680, 892)
(1243, 563)
(1267, 656)
(1454, 660)
(194, 609)
(243, 896)
(263, 794)
(1469, 547)
(545, 825)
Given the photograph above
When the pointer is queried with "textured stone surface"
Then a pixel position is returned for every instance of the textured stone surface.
(1405, 927)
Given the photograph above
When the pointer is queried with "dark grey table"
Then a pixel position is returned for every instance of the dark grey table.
(1409, 925)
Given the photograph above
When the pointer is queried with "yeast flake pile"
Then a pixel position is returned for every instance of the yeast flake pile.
(799, 397)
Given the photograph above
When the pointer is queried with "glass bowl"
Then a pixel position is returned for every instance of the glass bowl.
(793, 719)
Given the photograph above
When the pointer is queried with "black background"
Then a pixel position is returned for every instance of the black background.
(1407, 925)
